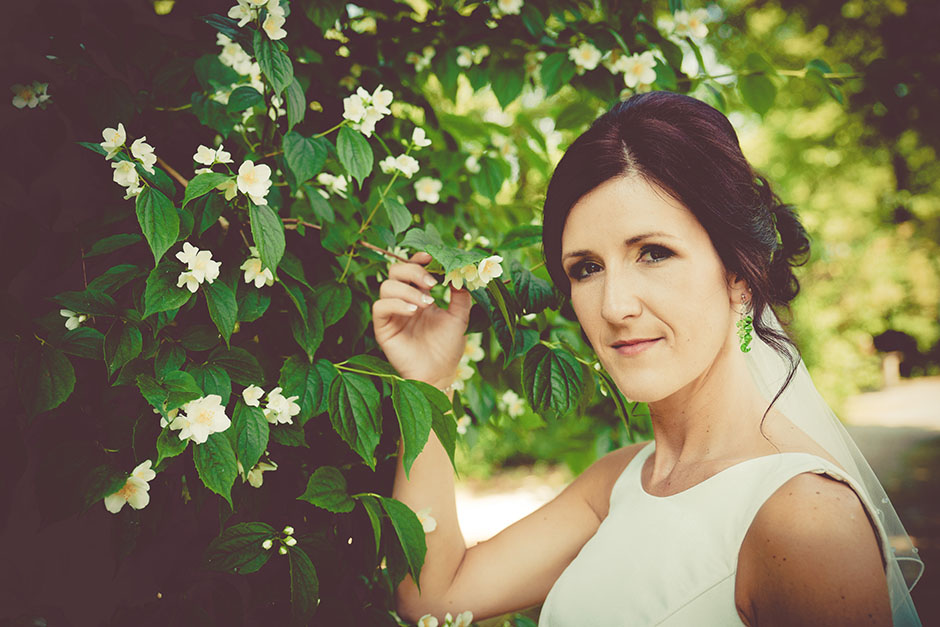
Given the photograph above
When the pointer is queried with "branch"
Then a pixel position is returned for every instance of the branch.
(179, 177)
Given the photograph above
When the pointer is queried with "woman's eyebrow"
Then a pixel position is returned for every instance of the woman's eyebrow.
(636, 239)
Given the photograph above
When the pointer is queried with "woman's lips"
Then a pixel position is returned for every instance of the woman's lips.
(635, 347)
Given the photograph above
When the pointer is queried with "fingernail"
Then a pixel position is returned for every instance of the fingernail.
(429, 281)
(427, 299)
(412, 307)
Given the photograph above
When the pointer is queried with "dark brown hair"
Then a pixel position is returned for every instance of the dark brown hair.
(690, 150)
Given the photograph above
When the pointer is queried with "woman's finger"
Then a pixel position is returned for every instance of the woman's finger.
(386, 308)
(412, 273)
(405, 292)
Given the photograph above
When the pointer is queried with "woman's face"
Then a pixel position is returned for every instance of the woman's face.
(648, 288)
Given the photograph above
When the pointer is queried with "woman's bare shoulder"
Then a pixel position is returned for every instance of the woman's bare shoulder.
(596, 483)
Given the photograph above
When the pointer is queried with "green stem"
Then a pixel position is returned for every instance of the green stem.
(340, 366)
(329, 130)
(179, 108)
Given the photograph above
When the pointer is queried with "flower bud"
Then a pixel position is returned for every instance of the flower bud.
(288, 530)
(267, 544)
(290, 541)
(282, 550)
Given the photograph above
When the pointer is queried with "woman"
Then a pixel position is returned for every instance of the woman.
(671, 248)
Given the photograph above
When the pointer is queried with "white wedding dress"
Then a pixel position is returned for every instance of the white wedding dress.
(672, 560)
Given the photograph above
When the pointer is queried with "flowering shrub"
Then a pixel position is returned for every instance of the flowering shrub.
(233, 303)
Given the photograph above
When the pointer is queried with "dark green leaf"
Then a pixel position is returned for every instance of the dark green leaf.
(251, 434)
(354, 413)
(100, 482)
(333, 300)
(507, 80)
(122, 344)
(371, 505)
(289, 435)
(239, 548)
(215, 463)
(304, 586)
(222, 307)
(114, 278)
(489, 180)
(252, 303)
(414, 418)
(83, 342)
(202, 184)
(212, 114)
(522, 236)
(309, 382)
(326, 488)
(45, 377)
(275, 65)
(112, 243)
(268, 233)
(296, 104)
(308, 331)
(169, 444)
(91, 302)
(410, 534)
(305, 157)
(533, 20)
(557, 70)
(758, 92)
(158, 220)
(209, 209)
(398, 214)
(532, 293)
(181, 387)
(666, 76)
(229, 27)
(240, 365)
(169, 357)
(370, 363)
(293, 268)
(212, 379)
(161, 292)
(200, 337)
(354, 153)
(243, 98)
(551, 379)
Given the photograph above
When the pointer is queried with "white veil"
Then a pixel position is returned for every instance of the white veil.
(802, 404)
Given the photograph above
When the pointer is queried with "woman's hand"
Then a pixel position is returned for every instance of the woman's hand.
(421, 340)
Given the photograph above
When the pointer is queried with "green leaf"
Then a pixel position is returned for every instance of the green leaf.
(507, 81)
(122, 344)
(152, 391)
(212, 207)
(102, 481)
(169, 444)
(326, 489)
(252, 303)
(522, 237)
(115, 277)
(202, 184)
(665, 77)
(557, 70)
(398, 214)
(414, 418)
(304, 586)
(212, 379)
(268, 233)
(161, 292)
(354, 153)
(251, 434)
(533, 20)
(44, 376)
(551, 379)
(243, 98)
(371, 505)
(170, 357)
(296, 104)
(239, 548)
(532, 293)
(333, 300)
(293, 268)
(309, 382)
(215, 463)
(371, 363)
(212, 114)
(83, 342)
(181, 387)
(112, 243)
(758, 92)
(158, 220)
(289, 435)
(91, 302)
(308, 331)
(275, 65)
(354, 413)
(199, 337)
(240, 365)
(410, 534)
(305, 157)
(222, 307)
(489, 180)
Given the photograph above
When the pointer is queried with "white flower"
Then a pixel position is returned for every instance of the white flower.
(255, 272)
(515, 406)
(189, 280)
(254, 181)
(73, 319)
(387, 165)
(490, 268)
(125, 173)
(420, 61)
(252, 395)
(472, 164)
(221, 156)
(419, 138)
(281, 409)
(427, 521)
(29, 95)
(135, 490)
(353, 108)
(335, 185)
(230, 187)
(465, 371)
(638, 69)
(585, 56)
(473, 349)
(242, 12)
(462, 423)
(170, 415)
(255, 477)
(204, 155)
(406, 164)
(381, 99)
(272, 26)
(691, 23)
(199, 263)
(465, 619)
(200, 418)
(480, 53)
(509, 7)
(428, 190)
(114, 139)
(143, 152)
(276, 110)
(426, 621)
(464, 56)
(467, 274)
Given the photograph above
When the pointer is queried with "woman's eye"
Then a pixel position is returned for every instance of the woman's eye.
(583, 269)
(654, 253)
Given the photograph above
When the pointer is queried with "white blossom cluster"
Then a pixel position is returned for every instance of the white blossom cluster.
(512, 403)
(467, 57)
(421, 61)
(406, 164)
(208, 157)
(365, 110)
(464, 619)
(199, 419)
(472, 352)
(199, 267)
(72, 319)
(254, 181)
(32, 95)
(254, 271)
(475, 276)
(249, 10)
(335, 185)
(506, 7)
(125, 171)
(135, 490)
(278, 409)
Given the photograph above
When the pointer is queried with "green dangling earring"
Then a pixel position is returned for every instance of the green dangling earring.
(745, 326)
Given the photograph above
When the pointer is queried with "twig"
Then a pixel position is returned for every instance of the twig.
(179, 177)
(84, 275)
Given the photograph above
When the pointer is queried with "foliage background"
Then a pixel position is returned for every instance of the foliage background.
(863, 175)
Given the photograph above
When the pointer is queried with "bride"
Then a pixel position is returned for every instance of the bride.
(751, 505)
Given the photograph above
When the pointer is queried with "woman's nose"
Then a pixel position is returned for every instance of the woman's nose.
(621, 299)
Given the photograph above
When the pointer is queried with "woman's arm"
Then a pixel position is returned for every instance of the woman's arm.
(812, 557)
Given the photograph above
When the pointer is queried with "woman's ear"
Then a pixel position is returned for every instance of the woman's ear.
(738, 289)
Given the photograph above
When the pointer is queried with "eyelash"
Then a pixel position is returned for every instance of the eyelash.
(576, 269)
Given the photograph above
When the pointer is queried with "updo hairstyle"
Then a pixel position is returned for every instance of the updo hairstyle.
(690, 150)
